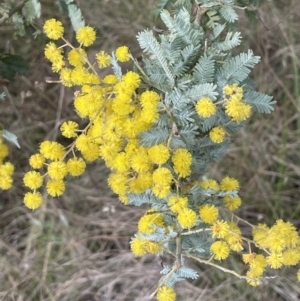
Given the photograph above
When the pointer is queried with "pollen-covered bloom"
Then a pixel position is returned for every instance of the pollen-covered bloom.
(237, 110)
(229, 184)
(53, 29)
(187, 218)
(162, 176)
(166, 293)
(182, 160)
(220, 229)
(57, 170)
(122, 54)
(76, 166)
(205, 107)
(232, 203)
(77, 57)
(149, 221)
(33, 200)
(220, 250)
(138, 246)
(208, 213)
(217, 134)
(55, 187)
(52, 150)
(36, 161)
(33, 180)
(86, 35)
(159, 154)
(275, 260)
(177, 203)
(52, 53)
(69, 128)
(103, 59)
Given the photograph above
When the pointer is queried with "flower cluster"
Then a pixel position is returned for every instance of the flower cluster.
(6, 168)
(232, 105)
(134, 127)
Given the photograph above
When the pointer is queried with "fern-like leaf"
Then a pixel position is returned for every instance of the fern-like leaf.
(261, 102)
(150, 45)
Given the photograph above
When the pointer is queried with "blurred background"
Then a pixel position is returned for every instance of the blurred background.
(76, 247)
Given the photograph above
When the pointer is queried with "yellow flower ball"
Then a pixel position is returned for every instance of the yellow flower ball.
(86, 35)
(33, 200)
(220, 250)
(217, 134)
(122, 54)
(205, 107)
(187, 218)
(33, 179)
(208, 213)
(166, 293)
(53, 29)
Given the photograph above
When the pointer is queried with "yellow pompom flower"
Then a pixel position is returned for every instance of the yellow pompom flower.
(237, 110)
(33, 179)
(260, 234)
(205, 107)
(217, 134)
(52, 53)
(166, 293)
(52, 150)
(86, 35)
(122, 54)
(121, 163)
(159, 154)
(66, 77)
(254, 276)
(33, 200)
(149, 98)
(57, 170)
(229, 184)
(182, 160)
(161, 190)
(69, 128)
(187, 218)
(208, 213)
(6, 182)
(140, 183)
(131, 79)
(118, 183)
(77, 57)
(209, 184)
(6, 169)
(291, 257)
(53, 29)
(177, 203)
(76, 166)
(138, 246)
(162, 176)
(220, 229)
(275, 260)
(103, 59)
(55, 187)
(36, 161)
(140, 162)
(232, 203)
(149, 221)
(220, 250)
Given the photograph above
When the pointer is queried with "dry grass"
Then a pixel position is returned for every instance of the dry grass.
(76, 247)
